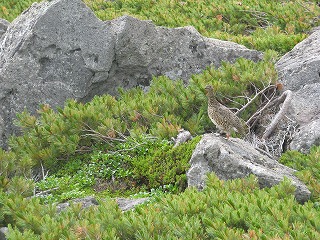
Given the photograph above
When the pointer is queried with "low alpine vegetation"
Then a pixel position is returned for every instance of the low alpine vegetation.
(308, 166)
(122, 145)
(136, 167)
(235, 209)
(55, 136)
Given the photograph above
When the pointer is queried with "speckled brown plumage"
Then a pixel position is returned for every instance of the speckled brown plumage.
(224, 119)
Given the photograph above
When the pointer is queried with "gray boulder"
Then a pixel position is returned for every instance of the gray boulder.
(3, 232)
(58, 50)
(235, 158)
(299, 71)
(52, 51)
(144, 49)
(3, 26)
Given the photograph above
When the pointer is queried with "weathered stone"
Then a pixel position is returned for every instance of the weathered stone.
(235, 158)
(300, 66)
(57, 50)
(307, 136)
(85, 203)
(126, 204)
(3, 26)
(3, 232)
(178, 53)
(182, 137)
(52, 51)
(299, 71)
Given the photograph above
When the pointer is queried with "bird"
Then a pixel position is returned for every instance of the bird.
(224, 119)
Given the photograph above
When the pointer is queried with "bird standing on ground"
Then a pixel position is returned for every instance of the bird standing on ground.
(224, 119)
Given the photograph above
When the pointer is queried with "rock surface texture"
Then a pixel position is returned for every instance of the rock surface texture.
(52, 51)
(59, 49)
(299, 71)
(3, 26)
(235, 158)
(3, 231)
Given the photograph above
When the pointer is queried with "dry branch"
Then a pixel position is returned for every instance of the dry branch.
(285, 97)
(95, 134)
(254, 98)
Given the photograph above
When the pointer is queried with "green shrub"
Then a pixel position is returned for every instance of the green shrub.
(262, 25)
(233, 209)
(308, 166)
(166, 108)
(161, 164)
(138, 165)
(10, 9)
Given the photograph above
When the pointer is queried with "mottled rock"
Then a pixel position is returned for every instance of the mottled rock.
(306, 136)
(144, 49)
(182, 137)
(299, 71)
(3, 26)
(235, 158)
(52, 51)
(3, 232)
(85, 203)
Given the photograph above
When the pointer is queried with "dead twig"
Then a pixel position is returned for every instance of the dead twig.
(104, 138)
(254, 98)
(285, 97)
(45, 192)
(254, 118)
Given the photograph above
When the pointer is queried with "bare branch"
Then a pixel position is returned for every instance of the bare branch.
(102, 137)
(254, 98)
(270, 103)
(286, 99)
(45, 192)
(98, 135)
(44, 175)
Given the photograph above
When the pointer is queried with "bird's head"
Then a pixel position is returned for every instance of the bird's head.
(209, 90)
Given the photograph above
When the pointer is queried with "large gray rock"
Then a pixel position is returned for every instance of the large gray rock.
(52, 51)
(235, 158)
(299, 71)
(177, 53)
(3, 26)
(57, 50)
